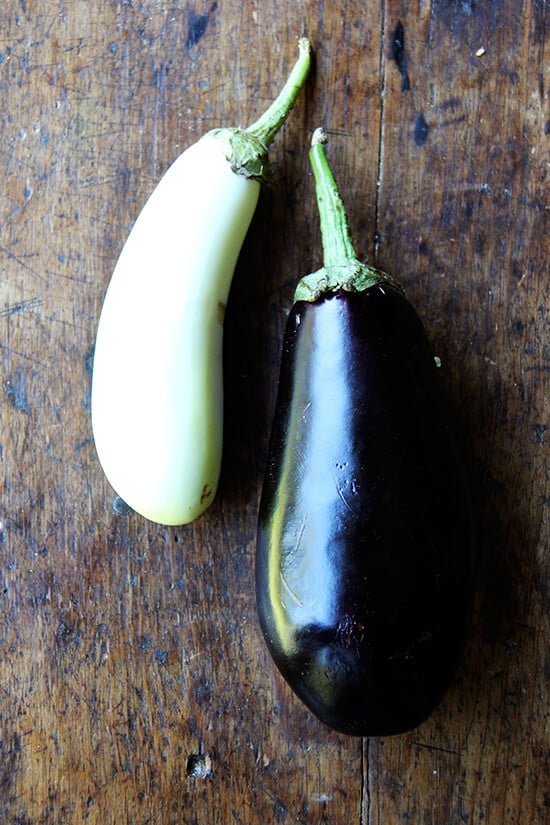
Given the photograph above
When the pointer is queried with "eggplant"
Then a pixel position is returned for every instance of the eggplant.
(157, 386)
(365, 535)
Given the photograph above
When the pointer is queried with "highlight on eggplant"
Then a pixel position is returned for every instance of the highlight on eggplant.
(157, 385)
(364, 546)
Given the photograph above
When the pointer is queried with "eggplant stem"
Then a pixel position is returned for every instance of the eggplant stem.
(268, 124)
(342, 270)
(338, 248)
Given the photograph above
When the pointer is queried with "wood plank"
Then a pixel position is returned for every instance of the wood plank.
(134, 684)
(463, 216)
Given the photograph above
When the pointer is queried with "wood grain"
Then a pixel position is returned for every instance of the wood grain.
(134, 685)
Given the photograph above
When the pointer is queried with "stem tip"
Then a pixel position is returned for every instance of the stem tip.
(304, 45)
(319, 136)
(268, 124)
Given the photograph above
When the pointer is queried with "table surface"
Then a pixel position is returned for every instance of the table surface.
(134, 684)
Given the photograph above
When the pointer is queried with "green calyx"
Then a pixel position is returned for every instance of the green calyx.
(247, 149)
(352, 276)
(342, 269)
(244, 152)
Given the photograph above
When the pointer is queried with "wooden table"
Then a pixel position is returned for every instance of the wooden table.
(134, 684)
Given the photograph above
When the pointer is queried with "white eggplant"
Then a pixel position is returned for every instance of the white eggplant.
(157, 384)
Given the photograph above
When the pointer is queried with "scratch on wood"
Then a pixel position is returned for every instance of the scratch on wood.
(22, 306)
(365, 783)
(280, 807)
(25, 356)
(17, 393)
(438, 748)
(21, 263)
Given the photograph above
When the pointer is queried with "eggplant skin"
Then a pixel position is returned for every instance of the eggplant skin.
(364, 551)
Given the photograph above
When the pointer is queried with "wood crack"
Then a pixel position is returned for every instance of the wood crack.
(382, 75)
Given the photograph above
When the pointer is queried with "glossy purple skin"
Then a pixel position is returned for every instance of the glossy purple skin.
(364, 538)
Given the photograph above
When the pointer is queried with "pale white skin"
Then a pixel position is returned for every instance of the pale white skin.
(157, 387)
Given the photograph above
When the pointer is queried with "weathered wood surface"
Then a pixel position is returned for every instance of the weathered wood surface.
(134, 686)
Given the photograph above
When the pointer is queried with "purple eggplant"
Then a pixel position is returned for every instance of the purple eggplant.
(363, 567)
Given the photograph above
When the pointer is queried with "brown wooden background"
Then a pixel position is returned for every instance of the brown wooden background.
(134, 686)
